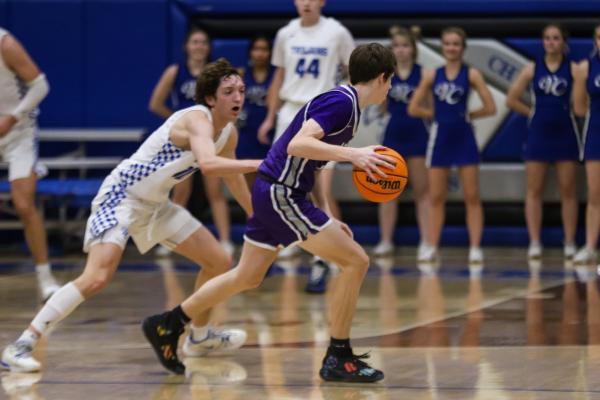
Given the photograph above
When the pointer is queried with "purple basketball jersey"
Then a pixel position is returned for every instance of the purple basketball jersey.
(283, 214)
(337, 112)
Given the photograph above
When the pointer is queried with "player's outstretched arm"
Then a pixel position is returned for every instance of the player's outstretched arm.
(236, 183)
(201, 133)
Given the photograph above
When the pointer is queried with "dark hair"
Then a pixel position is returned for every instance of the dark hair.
(458, 31)
(368, 61)
(411, 35)
(193, 30)
(257, 38)
(563, 32)
(209, 80)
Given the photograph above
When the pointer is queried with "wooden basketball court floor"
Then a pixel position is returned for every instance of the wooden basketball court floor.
(509, 332)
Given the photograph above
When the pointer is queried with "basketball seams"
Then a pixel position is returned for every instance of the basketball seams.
(397, 176)
(375, 191)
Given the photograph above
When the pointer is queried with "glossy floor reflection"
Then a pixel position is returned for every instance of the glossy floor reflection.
(507, 331)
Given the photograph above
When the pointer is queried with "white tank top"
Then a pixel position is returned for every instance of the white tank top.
(310, 56)
(152, 171)
(12, 89)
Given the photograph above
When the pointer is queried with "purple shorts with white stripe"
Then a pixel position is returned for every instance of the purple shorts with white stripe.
(282, 216)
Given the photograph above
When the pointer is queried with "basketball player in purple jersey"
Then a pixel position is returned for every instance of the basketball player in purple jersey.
(307, 54)
(283, 215)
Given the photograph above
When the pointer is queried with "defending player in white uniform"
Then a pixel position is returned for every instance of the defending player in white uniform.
(18, 146)
(134, 201)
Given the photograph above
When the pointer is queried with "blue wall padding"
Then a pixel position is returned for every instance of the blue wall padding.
(235, 50)
(52, 32)
(357, 7)
(3, 13)
(507, 143)
(533, 48)
(126, 48)
(178, 27)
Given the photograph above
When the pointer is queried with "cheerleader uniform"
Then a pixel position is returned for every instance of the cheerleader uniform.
(451, 139)
(405, 134)
(552, 131)
(183, 93)
(592, 123)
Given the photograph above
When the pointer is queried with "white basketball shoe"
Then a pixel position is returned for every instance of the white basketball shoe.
(17, 357)
(215, 339)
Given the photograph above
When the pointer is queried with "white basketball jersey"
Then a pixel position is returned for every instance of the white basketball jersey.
(152, 171)
(311, 56)
(12, 89)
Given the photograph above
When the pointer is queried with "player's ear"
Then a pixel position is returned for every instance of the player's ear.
(210, 101)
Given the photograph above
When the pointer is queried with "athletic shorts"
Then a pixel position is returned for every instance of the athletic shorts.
(282, 216)
(20, 150)
(117, 215)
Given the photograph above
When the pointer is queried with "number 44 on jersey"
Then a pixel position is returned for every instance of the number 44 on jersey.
(313, 67)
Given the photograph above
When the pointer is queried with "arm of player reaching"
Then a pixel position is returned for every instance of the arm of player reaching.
(489, 106)
(273, 105)
(308, 144)
(236, 183)
(201, 134)
(18, 60)
(513, 97)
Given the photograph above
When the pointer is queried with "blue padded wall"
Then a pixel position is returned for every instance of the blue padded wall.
(533, 48)
(235, 50)
(126, 48)
(51, 31)
(3, 13)
(507, 143)
(396, 6)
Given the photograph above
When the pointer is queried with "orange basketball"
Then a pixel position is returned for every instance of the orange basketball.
(382, 190)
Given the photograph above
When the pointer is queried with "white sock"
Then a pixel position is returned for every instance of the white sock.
(61, 304)
(28, 337)
(199, 332)
(43, 270)
(535, 243)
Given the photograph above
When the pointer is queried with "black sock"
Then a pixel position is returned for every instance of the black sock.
(177, 319)
(339, 347)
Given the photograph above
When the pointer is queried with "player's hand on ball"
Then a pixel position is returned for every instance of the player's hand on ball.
(367, 159)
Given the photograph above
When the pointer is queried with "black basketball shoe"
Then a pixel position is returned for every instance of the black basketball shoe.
(164, 341)
(349, 369)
